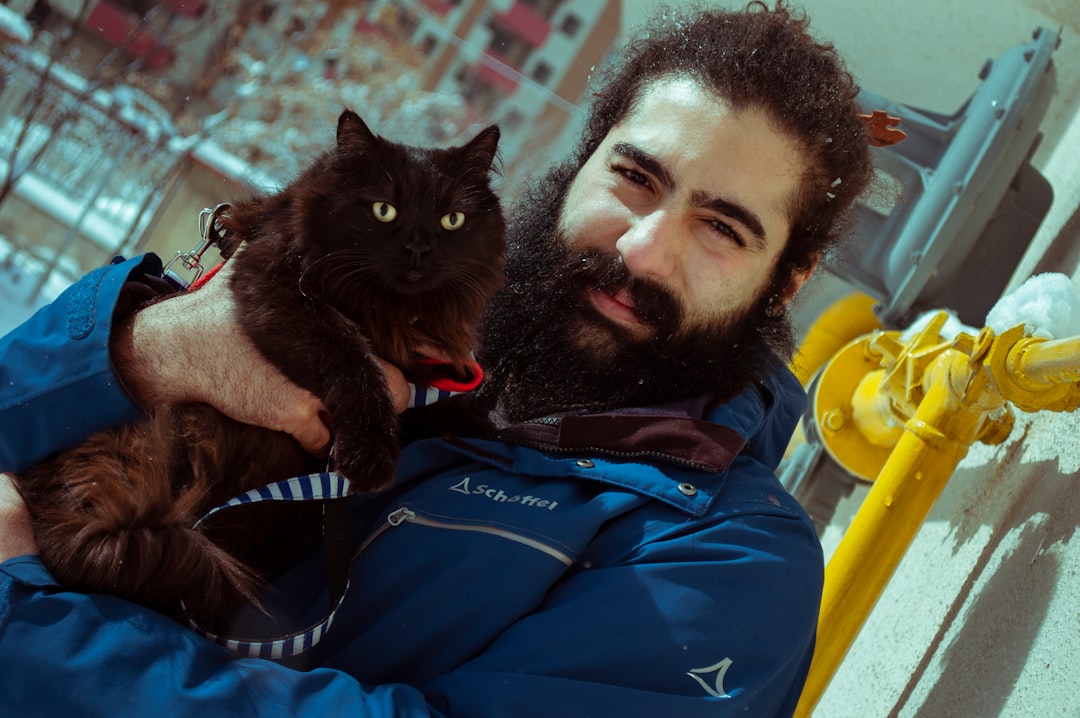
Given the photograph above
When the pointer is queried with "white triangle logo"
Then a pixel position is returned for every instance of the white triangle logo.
(719, 669)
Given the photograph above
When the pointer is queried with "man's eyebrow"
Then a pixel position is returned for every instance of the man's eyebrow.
(740, 213)
(736, 211)
(644, 160)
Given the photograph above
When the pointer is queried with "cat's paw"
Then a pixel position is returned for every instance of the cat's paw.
(368, 462)
(364, 422)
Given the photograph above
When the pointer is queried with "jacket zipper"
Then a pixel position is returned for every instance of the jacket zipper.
(403, 515)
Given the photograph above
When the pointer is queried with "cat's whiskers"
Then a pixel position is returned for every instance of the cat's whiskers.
(322, 280)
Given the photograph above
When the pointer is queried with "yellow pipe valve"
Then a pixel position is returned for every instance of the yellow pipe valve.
(873, 412)
(1034, 373)
(961, 392)
(852, 371)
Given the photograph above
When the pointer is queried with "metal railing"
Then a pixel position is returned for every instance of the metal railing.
(94, 160)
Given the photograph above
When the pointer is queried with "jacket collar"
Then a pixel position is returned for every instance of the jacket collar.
(671, 433)
(700, 432)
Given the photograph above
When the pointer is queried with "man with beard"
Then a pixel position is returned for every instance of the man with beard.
(649, 289)
(597, 531)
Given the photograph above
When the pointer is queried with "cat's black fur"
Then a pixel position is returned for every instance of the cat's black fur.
(323, 285)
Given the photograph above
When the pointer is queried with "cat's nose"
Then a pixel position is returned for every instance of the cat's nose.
(418, 246)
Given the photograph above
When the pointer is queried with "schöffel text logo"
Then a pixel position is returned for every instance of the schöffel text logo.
(465, 487)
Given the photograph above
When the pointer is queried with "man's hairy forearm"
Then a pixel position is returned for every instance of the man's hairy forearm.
(192, 347)
(152, 351)
(129, 370)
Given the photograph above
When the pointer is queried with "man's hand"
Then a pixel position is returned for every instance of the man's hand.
(399, 388)
(16, 532)
(191, 347)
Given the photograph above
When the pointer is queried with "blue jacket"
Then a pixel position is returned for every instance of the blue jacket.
(555, 573)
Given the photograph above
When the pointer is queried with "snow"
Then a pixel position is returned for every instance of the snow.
(19, 276)
(210, 153)
(1047, 304)
(953, 326)
(100, 225)
(14, 26)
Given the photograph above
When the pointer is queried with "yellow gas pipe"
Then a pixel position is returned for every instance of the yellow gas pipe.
(840, 322)
(948, 396)
(1039, 366)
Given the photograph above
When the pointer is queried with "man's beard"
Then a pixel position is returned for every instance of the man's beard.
(545, 348)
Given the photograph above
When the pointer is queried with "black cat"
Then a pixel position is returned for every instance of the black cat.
(376, 249)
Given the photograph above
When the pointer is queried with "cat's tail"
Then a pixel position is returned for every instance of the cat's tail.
(116, 515)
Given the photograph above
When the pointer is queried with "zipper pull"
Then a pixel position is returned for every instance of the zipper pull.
(400, 516)
(545, 420)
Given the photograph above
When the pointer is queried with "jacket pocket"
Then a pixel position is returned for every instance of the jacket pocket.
(404, 515)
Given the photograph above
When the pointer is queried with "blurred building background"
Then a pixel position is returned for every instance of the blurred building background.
(121, 119)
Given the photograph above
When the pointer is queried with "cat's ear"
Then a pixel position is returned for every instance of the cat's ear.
(352, 131)
(481, 150)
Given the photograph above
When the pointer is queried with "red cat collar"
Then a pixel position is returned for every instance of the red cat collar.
(451, 382)
(205, 278)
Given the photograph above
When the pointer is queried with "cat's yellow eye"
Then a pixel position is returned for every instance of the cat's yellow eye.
(452, 220)
(383, 211)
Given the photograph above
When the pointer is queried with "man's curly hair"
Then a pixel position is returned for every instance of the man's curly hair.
(765, 58)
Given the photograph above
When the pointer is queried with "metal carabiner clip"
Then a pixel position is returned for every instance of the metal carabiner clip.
(210, 233)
